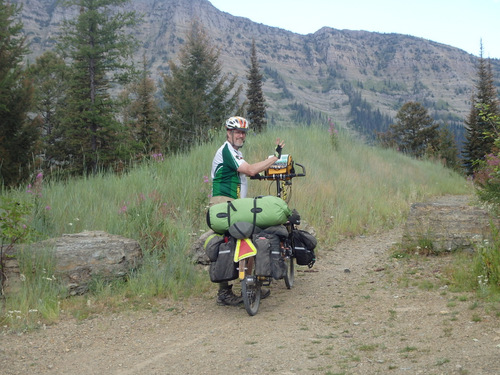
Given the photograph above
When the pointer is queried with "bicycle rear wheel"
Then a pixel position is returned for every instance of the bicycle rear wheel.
(250, 291)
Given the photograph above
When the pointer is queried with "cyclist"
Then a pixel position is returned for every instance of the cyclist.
(229, 181)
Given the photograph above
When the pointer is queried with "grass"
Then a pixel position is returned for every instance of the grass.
(351, 190)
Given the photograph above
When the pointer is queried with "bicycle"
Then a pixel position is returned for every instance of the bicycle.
(282, 172)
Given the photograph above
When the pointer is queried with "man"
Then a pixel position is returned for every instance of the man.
(229, 181)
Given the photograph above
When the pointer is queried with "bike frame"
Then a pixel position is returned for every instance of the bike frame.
(250, 283)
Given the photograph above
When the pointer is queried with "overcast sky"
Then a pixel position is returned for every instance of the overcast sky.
(458, 23)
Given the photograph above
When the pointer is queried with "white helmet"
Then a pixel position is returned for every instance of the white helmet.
(237, 122)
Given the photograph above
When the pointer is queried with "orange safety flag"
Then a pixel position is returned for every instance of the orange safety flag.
(244, 249)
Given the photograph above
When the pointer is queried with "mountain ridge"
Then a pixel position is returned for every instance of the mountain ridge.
(314, 74)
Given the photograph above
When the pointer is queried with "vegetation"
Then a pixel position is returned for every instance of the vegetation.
(18, 133)
(142, 115)
(99, 49)
(417, 134)
(349, 190)
(256, 109)
(414, 131)
(479, 143)
(198, 96)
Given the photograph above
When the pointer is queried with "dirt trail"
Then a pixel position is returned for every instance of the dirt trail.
(359, 312)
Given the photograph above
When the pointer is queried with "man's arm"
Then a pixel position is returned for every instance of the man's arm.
(253, 169)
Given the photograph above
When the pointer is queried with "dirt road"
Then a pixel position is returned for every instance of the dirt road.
(360, 312)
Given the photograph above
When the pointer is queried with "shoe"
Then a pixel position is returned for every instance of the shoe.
(226, 297)
(264, 293)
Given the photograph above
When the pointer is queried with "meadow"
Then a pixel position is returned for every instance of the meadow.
(350, 189)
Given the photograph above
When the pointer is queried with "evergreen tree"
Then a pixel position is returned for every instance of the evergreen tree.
(445, 149)
(49, 78)
(198, 96)
(415, 132)
(448, 150)
(18, 133)
(98, 43)
(256, 111)
(479, 141)
(142, 115)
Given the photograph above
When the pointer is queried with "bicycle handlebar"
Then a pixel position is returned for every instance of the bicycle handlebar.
(281, 176)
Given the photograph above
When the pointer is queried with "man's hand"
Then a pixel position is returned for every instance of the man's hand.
(279, 147)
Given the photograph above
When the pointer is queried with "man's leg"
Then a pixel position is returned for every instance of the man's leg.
(225, 295)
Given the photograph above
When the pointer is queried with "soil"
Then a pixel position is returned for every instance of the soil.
(359, 310)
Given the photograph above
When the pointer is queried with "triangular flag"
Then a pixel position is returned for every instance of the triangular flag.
(244, 249)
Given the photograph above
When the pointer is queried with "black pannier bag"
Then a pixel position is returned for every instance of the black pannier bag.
(304, 244)
(211, 246)
(224, 268)
(269, 261)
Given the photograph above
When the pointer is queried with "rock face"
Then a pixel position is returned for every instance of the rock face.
(449, 223)
(303, 72)
(81, 256)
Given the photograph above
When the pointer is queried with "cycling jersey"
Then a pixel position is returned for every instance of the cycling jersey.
(226, 180)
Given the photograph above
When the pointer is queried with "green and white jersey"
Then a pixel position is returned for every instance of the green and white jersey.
(226, 180)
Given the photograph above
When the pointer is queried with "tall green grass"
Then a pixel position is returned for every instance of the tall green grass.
(350, 190)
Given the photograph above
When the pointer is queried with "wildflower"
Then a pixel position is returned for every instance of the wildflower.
(206, 179)
(158, 157)
(48, 208)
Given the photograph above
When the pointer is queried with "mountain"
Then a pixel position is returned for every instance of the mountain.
(356, 78)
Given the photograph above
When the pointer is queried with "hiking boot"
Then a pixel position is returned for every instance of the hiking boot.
(264, 293)
(226, 297)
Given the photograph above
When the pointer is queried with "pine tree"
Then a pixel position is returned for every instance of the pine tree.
(415, 131)
(99, 43)
(256, 111)
(479, 141)
(49, 78)
(18, 133)
(142, 115)
(198, 96)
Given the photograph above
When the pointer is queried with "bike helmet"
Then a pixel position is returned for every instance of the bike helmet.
(237, 122)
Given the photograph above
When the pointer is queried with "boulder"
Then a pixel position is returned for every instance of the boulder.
(449, 223)
(198, 254)
(81, 256)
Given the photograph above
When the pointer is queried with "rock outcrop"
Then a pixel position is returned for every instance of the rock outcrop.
(80, 257)
(448, 223)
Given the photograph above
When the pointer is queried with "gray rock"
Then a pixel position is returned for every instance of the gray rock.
(82, 256)
(449, 223)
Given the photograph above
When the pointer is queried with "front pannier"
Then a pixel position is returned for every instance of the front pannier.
(304, 244)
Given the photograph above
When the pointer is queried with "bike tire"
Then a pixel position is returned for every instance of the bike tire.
(290, 272)
(250, 291)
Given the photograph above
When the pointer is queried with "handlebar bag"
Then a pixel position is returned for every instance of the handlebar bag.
(262, 212)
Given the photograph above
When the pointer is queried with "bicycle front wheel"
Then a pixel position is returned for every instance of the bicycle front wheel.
(250, 291)
(290, 275)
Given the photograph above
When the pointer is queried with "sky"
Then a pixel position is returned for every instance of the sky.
(457, 23)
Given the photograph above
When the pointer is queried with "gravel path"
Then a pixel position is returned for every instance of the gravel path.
(358, 311)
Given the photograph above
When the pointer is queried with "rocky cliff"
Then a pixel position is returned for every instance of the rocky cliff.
(302, 72)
